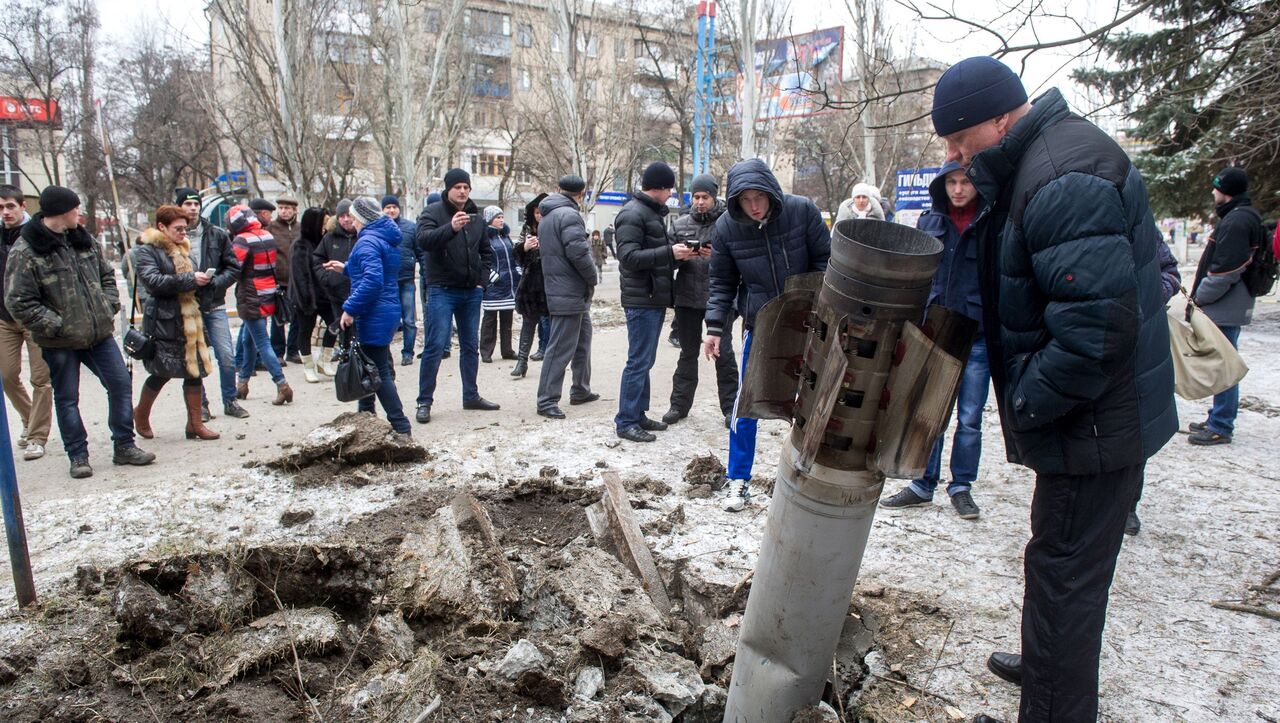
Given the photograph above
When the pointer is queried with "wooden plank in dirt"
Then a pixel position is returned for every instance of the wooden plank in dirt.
(634, 550)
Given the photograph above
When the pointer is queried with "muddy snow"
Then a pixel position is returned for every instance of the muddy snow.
(276, 575)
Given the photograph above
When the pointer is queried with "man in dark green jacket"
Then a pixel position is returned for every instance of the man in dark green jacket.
(1079, 351)
(60, 288)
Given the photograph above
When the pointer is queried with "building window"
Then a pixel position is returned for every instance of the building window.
(523, 175)
(620, 48)
(589, 89)
(588, 45)
(524, 35)
(432, 20)
(10, 173)
(484, 22)
(555, 41)
(526, 79)
(490, 164)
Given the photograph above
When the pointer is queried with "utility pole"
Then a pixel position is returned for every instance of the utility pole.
(747, 111)
(863, 20)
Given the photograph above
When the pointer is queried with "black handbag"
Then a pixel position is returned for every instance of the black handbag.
(357, 376)
(137, 344)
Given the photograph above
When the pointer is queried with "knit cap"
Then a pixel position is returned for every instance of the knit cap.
(366, 209)
(972, 91)
(492, 212)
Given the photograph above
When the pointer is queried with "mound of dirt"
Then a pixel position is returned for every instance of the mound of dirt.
(352, 438)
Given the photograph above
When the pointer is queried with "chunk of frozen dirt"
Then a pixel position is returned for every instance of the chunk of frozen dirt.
(267, 640)
(521, 658)
(669, 678)
(352, 438)
(146, 615)
(589, 682)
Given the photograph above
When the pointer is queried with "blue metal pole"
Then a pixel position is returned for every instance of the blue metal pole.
(14, 530)
(699, 93)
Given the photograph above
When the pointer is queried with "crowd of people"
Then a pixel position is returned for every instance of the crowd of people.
(1049, 245)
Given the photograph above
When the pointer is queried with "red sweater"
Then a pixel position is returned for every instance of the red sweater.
(962, 217)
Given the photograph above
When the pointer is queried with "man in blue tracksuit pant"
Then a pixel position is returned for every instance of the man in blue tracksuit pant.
(763, 237)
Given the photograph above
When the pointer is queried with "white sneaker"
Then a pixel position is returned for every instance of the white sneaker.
(34, 451)
(739, 495)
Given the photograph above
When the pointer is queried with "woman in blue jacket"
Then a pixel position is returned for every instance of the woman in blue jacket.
(499, 301)
(373, 305)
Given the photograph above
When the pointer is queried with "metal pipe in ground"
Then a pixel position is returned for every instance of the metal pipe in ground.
(15, 530)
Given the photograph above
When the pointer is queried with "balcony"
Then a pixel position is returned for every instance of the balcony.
(664, 69)
(489, 45)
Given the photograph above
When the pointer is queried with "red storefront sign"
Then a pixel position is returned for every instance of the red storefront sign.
(29, 110)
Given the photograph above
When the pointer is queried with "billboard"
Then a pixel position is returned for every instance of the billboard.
(911, 197)
(30, 111)
(787, 69)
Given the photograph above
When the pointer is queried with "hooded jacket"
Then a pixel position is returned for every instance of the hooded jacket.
(1071, 292)
(333, 286)
(458, 259)
(531, 294)
(256, 293)
(646, 263)
(758, 256)
(372, 268)
(693, 276)
(171, 310)
(955, 285)
(60, 287)
(500, 295)
(568, 271)
(1218, 287)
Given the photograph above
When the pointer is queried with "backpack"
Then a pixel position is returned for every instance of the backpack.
(1259, 277)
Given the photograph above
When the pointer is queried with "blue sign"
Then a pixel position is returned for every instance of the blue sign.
(912, 193)
(613, 198)
(233, 181)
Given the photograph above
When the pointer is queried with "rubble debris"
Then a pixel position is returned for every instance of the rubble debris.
(588, 683)
(593, 586)
(146, 615)
(706, 471)
(265, 640)
(454, 566)
(521, 658)
(646, 484)
(716, 646)
(820, 713)
(641, 708)
(669, 678)
(699, 492)
(389, 638)
(88, 579)
(352, 438)
(216, 599)
(1259, 405)
(630, 543)
(293, 518)
(608, 636)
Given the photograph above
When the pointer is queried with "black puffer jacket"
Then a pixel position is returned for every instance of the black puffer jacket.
(336, 245)
(569, 274)
(644, 254)
(1074, 313)
(759, 256)
(693, 276)
(531, 294)
(456, 259)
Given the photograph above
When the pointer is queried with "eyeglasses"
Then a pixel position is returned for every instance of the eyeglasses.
(178, 229)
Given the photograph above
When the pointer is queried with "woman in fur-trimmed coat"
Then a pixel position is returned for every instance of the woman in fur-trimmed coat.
(171, 317)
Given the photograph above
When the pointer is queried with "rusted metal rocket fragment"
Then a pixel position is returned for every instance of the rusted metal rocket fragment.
(868, 379)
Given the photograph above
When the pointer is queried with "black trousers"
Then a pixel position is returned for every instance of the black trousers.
(489, 333)
(685, 380)
(1077, 525)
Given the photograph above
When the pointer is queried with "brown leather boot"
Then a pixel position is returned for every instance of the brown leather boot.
(142, 412)
(284, 394)
(195, 425)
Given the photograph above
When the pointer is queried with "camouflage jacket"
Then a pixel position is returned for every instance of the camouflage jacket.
(60, 287)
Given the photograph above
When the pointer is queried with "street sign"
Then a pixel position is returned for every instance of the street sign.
(613, 198)
(232, 181)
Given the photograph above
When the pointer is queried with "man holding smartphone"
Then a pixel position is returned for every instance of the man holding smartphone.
(452, 234)
(692, 286)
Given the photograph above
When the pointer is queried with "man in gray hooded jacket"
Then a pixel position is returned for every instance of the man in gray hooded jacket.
(569, 278)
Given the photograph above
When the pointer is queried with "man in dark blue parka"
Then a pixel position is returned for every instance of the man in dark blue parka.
(1079, 351)
(763, 237)
(952, 219)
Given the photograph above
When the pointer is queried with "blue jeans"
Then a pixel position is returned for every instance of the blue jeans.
(966, 446)
(644, 329)
(408, 317)
(217, 333)
(544, 329)
(1226, 404)
(106, 363)
(445, 307)
(255, 341)
(387, 394)
(742, 433)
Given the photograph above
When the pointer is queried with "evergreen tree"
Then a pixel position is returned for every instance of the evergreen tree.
(1203, 89)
